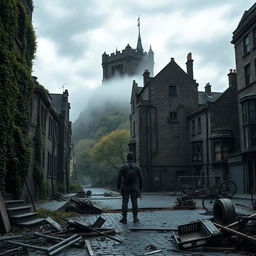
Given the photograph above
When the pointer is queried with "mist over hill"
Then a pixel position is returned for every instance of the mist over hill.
(107, 109)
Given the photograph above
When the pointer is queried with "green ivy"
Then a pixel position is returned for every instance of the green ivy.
(17, 51)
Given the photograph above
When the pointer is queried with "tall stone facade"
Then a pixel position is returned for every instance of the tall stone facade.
(178, 132)
(244, 40)
(50, 121)
(159, 126)
(127, 62)
(214, 134)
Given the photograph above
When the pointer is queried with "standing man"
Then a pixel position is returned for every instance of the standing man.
(129, 182)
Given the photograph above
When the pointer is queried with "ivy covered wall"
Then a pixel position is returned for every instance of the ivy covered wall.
(17, 49)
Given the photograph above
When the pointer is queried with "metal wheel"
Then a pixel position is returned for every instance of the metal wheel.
(208, 201)
(227, 189)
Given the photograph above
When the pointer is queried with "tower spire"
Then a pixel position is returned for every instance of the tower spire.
(139, 44)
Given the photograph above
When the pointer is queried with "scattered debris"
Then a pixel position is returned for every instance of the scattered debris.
(151, 247)
(54, 224)
(86, 227)
(153, 252)
(82, 206)
(195, 234)
(58, 197)
(185, 202)
(107, 194)
(89, 248)
(54, 249)
(154, 229)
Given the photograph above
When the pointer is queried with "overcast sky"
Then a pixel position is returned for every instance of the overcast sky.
(73, 34)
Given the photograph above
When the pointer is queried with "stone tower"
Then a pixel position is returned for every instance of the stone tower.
(128, 61)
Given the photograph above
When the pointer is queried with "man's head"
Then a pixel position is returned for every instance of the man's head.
(130, 156)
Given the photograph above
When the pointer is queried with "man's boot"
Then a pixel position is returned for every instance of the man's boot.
(123, 220)
(135, 219)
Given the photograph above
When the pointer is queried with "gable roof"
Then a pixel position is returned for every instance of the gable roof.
(173, 67)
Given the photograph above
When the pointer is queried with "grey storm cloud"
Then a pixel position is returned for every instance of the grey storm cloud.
(62, 29)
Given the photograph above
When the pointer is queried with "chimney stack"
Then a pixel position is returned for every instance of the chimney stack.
(208, 90)
(232, 80)
(189, 64)
(145, 77)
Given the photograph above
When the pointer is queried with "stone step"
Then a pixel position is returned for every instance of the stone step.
(18, 210)
(18, 218)
(13, 203)
(31, 223)
(8, 196)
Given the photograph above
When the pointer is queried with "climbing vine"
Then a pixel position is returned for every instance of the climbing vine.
(17, 49)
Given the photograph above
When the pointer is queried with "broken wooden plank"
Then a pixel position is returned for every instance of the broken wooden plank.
(44, 249)
(153, 252)
(154, 229)
(65, 241)
(219, 249)
(54, 224)
(81, 224)
(79, 245)
(4, 216)
(89, 248)
(51, 253)
(237, 233)
(237, 222)
(17, 249)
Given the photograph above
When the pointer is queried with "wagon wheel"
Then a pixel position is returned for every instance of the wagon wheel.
(208, 201)
(227, 189)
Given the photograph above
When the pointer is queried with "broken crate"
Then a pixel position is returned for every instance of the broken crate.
(195, 234)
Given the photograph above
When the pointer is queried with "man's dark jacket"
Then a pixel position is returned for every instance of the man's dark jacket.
(124, 182)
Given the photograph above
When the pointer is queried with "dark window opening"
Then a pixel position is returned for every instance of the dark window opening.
(197, 152)
(199, 128)
(172, 91)
(246, 42)
(173, 116)
(193, 127)
(247, 74)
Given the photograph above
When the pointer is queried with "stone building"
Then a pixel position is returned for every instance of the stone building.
(177, 131)
(50, 124)
(214, 134)
(128, 61)
(159, 126)
(244, 40)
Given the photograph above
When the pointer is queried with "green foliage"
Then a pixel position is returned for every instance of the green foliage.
(17, 51)
(56, 215)
(75, 187)
(112, 149)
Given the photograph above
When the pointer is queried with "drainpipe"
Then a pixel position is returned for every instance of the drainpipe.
(207, 149)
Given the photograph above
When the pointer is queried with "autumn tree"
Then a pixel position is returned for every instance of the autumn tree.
(110, 152)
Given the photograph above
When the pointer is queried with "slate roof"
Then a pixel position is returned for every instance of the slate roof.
(203, 97)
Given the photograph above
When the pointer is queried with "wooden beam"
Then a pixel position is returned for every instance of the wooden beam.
(4, 216)
(89, 248)
(237, 233)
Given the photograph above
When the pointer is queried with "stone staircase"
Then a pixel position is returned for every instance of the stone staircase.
(20, 213)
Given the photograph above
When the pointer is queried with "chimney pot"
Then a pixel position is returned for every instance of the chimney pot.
(208, 90)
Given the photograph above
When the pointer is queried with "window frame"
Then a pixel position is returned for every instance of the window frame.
(197, 152)
(247, 75)
(173, 116)
(172, 90)
(246, 44)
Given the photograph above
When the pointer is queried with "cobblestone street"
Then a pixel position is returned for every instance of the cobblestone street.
(135, 243)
